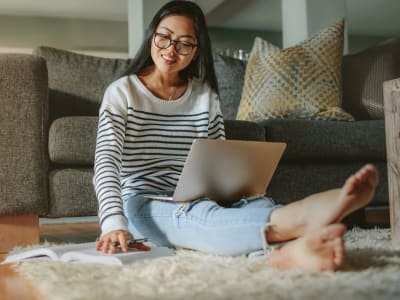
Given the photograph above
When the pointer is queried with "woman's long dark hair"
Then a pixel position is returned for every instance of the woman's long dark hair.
(202, 66)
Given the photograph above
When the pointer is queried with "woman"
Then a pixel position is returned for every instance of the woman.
(148, 120)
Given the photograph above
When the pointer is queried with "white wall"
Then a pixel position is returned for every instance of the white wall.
(110, 39)
(140, 14)
(303, 18)
(22, 34)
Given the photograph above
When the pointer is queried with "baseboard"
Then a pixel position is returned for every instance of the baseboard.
(69, 220)
(370, 217)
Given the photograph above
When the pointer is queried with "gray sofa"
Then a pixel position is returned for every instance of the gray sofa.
(50, 102)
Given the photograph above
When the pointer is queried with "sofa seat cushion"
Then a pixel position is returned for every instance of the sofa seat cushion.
(328, 141)
(294, 181)
(71, 193)
(244, 130)
(72, 140)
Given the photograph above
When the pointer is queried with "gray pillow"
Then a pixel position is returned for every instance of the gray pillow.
(230, 76)
(77, 82)
(363, 77)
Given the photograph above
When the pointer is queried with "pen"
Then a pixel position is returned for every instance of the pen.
(141, 240)
(134, 241)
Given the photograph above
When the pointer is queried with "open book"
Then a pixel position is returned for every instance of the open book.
(86, 253)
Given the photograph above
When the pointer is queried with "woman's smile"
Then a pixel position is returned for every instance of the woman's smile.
(168, 60)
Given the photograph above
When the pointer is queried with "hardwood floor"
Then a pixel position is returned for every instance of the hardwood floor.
(69, 233)
(15, 287)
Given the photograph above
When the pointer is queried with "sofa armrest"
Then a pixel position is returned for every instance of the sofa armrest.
(23, 134)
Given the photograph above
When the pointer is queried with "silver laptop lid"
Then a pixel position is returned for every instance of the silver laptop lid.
(227, 170)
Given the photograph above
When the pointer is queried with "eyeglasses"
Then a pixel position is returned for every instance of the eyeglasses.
(163, 42)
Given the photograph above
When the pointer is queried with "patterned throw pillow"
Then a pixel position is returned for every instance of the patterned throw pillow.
(301, 82)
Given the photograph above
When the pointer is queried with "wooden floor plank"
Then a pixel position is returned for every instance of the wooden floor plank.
(15, 287)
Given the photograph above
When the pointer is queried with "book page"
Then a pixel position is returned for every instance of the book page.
(42, 253)
(86, 253)
(121, 258)
(50, 252)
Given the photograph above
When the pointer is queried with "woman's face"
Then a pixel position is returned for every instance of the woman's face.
(178, 55)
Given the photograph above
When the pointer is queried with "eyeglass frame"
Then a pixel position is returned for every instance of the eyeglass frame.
(174, 43)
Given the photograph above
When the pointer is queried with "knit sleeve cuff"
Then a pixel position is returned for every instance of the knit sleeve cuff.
(117, 222)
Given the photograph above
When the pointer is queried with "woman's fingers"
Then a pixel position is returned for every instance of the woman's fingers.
(118, 240)
(122, 242)
(99, 244)
(114, 241)
(139, 246)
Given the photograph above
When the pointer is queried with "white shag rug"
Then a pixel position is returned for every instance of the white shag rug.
(371, 271)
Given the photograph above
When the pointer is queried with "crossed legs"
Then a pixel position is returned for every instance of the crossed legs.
(312, 225)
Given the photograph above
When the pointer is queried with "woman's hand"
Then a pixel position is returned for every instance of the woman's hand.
(117, 240)
(119, 237)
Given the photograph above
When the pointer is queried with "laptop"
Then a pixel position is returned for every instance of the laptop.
(226, 170)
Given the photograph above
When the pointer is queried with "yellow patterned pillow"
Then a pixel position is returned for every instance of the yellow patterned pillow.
(301, 82)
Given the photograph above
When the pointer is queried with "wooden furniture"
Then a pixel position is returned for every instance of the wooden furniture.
(391, 91)
(21, 230)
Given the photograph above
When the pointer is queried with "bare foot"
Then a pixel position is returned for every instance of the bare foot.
(357, 192)
(321, 250)
(318, 210)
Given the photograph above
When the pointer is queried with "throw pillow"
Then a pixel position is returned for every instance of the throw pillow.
(298, 82)
(363, 76)
(230, 76)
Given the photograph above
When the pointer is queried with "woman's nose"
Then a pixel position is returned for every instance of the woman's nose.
(172, 47)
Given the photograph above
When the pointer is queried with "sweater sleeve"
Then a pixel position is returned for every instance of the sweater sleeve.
(108, 156)
(216, 128)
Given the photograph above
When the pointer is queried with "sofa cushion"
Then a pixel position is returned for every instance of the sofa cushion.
(77, 82)
(294, 181)
(230, 76)
(363, 77)
(302, 81)
(328, 141)
(71, 193)
(72, 140)
(244, 130)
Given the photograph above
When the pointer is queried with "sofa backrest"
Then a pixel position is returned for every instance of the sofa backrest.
(77, 82)
(230, 76)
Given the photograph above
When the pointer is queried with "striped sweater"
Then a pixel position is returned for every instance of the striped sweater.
(143, 141)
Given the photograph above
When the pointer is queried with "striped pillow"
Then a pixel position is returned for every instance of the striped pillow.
(301, 82)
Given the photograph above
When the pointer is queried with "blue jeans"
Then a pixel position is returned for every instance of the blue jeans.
(201, 225)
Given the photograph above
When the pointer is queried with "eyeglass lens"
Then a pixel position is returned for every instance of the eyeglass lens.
(163, 42)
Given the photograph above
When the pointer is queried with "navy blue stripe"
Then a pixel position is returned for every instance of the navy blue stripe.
(165, 115)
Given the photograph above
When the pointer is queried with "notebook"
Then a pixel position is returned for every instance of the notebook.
(86, 253)
(226, 170)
